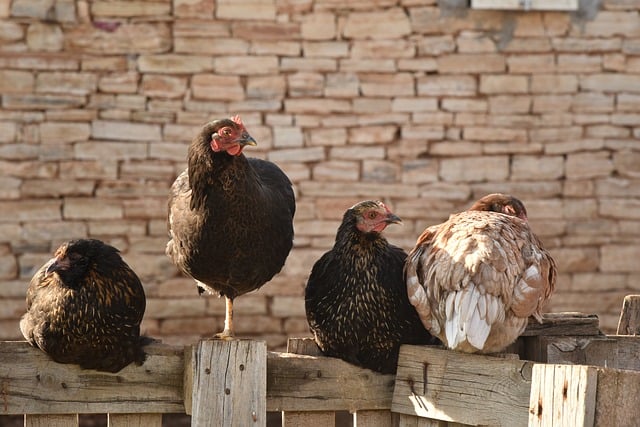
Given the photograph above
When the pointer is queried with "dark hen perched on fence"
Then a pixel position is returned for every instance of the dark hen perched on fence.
(230, 217)
(84, 306)
(476, 278)
(356, 300)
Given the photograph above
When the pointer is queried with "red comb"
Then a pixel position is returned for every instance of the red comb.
(237, 120)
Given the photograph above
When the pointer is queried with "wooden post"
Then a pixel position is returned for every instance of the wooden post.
(57, 420)
(228, 383)
(629, 323)
(562, 395)
(134, 420)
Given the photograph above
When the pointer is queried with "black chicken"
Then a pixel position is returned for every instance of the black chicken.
(84, 306)
(356, 298)
(230, 217)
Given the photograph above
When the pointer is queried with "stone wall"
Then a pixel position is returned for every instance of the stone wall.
(424, 106)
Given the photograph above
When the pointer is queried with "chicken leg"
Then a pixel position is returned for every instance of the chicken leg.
(227, 333)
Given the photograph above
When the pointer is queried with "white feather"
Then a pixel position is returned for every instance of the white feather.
(477, 331)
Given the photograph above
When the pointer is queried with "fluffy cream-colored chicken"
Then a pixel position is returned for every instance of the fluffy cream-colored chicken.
(476, 278)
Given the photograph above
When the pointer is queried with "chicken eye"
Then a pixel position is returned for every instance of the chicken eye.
(372, 215)
(225, 131)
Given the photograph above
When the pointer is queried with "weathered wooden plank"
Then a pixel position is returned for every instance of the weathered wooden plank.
(309, 419)
(57, 420)
(32, 383)
(562, 395)
(618, 398)
(309, 383)
(613, 351)
(373, 419)
(229, 383)
(405, 420)
(629, 323)
(566, 323)
(134, 420)
(470, 389)
(305, 346)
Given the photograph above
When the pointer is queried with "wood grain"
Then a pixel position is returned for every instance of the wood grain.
(629, 323)
(30, 382)
(229, 383)
(471, 389)
(562, 395)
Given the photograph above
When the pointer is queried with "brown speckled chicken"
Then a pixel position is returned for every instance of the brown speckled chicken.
(476, 278)
(230, 217)
(84, 306)
(355, 299)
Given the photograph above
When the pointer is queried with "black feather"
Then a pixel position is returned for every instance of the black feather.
(230, 217)
(85, 306)
(356, 299)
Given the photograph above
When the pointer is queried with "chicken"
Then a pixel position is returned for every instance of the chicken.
(230, 217)
(476, 278)
(84, 306)
(355, 299)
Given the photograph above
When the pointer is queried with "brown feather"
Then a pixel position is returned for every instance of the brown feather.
(476, 278)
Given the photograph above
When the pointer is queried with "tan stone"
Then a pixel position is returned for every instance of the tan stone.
(130, 8)
(30, 210)
(246, 65)
(525, 168)
(336, 170)
(110, 150)
(164, 86)
(399, 84)
(544, 63)
(447, 85)
(551, 103)
(308, 64)
(474, 169)
(588, 165)
(326, 49)
(66, 83)
(528, 45)
(126, 82)
(45, 37)
(138, 38)
(619, 258)
(471, 63)
(492, 84)
(204, 45)
(193, 8)
(14, 81)
(64, 132)
(610, 82)
(305, 84)
(238, 9)
(316, 106)
(511, 104)
(611, 23)
(91, 208)
(494, 134)
(125, 131)
(175, 64)
(318, 26)
(11, 31)
(267, 30)
(554, 83)
(366, 24)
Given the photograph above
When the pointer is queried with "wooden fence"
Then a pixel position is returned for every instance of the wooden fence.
(564, 372)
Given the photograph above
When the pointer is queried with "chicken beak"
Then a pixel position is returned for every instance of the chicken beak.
(246, 139)
(393, 219)
(56, 264)
(52, 266)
